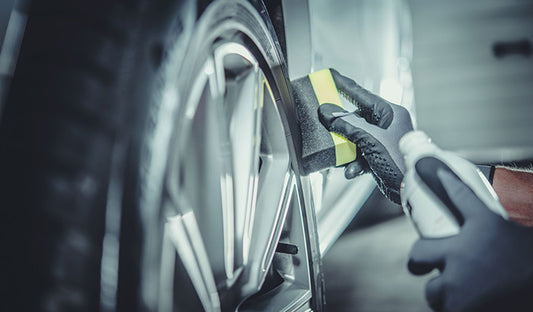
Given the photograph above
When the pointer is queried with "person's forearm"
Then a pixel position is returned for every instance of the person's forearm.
(515, 190)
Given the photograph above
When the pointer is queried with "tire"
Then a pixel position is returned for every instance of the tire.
(92, 133)
(61, 122)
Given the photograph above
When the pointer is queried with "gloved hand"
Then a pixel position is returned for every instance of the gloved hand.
(488, 266)
(376, 128)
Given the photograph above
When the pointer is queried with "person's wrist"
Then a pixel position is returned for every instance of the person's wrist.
(513, 187)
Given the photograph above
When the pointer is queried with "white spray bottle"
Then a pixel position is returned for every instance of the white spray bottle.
(430, 215)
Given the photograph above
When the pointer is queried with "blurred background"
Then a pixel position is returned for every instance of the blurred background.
(463, 68)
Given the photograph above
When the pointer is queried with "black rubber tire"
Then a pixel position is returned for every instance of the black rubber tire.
(84, 74)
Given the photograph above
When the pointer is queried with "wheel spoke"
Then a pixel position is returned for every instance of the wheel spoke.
(276, 184)
(226, 175)
(268, 226)
(202, 167)
(184, 233)
(238, 76)
(244, 139)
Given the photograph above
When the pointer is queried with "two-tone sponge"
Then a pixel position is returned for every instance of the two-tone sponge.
(321, 149)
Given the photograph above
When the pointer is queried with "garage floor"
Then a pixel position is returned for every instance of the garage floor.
(366, 270)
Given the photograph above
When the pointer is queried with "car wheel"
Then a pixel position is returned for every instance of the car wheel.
(237, 232)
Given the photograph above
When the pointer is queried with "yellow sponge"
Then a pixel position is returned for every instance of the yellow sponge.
(320, 148)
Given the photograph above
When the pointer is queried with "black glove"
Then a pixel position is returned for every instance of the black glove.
(376, 128)
(488, 266)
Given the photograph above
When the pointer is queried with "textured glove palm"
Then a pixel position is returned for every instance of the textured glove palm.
(376, 128)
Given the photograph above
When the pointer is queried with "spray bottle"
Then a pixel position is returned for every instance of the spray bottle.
(431, 217)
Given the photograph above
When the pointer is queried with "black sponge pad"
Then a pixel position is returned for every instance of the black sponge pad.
(318, 149)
